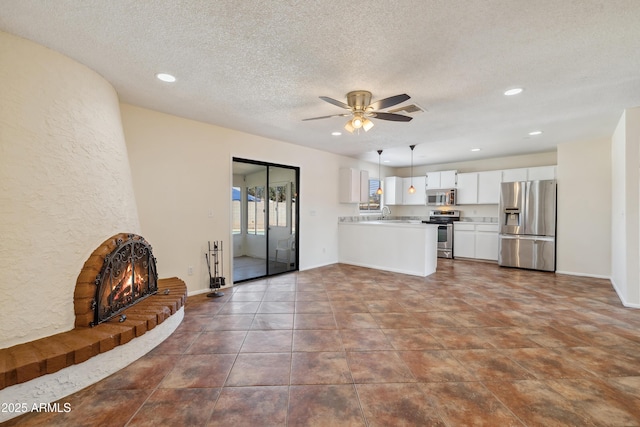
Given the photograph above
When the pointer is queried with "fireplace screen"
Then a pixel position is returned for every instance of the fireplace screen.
(128, 275)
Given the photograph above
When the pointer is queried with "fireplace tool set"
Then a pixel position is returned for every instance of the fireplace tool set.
(214, 255)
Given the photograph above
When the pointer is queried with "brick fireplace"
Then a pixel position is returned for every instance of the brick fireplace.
(153, 302)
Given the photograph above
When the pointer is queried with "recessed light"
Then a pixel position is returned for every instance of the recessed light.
(166, 77)
(535, 132)
(475, 149)
(336, 133)
(514, 91)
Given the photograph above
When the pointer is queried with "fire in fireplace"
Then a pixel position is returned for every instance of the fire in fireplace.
(128, 275)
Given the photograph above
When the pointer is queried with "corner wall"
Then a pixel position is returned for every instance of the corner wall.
(584, 208)
(65, 184)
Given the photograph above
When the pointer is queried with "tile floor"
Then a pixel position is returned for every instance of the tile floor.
(473, 344)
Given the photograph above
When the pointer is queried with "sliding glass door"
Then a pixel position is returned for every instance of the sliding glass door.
(264, 219)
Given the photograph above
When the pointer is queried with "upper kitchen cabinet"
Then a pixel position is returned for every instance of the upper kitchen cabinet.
(479, 188)
(393, 190)
(489, 187)
(419, 197)
(354, 186)
(529, 174)
(467, 188)
(542, 172)
(442, 179)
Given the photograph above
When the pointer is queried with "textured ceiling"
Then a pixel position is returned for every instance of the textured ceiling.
(260, 66)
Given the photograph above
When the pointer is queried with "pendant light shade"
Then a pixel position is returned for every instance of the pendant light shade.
(379, 190)
(412, 189)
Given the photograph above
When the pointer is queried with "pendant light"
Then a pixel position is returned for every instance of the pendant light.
(379, 190)
(412, 189)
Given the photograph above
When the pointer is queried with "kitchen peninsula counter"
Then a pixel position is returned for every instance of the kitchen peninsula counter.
(408, 247)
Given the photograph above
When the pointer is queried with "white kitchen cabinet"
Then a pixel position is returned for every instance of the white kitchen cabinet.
(354, 186)
(488, 187)
(486, 245)
(419, 197)
(529, 174)
(464, 240)
(442, 179)
(393, 190)
(542, 172)
(475, 240)
(514, 175)
(467, 188)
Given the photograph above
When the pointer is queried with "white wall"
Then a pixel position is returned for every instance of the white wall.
(65, 184)
(182, 170)
(584, 208)
(625, 208)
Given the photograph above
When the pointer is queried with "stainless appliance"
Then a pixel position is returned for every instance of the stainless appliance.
(442, 197)
(528, 225)
(444, 220)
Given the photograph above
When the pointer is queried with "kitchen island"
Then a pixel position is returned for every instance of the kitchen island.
(408, 247)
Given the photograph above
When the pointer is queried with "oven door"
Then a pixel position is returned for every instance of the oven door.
(445, 240)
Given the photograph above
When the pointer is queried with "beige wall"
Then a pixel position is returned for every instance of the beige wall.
(182, 171)
(584, 208)
(625, 208)
(65, 184)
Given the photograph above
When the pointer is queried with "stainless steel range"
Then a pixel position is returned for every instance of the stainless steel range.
(444, 220)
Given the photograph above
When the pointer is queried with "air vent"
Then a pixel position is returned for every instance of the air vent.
(407, 109)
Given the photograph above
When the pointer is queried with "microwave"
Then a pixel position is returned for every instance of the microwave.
(442, 197)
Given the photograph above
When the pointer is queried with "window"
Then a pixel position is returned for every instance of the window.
(278, 206)
(375, 200)
(255, 210)
(236, 210)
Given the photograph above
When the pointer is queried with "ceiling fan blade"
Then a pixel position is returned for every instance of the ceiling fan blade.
(389, 102)
(391, 116)
(335, 102)
(326, 117)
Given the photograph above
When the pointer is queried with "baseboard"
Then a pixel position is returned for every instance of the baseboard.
(573, 273)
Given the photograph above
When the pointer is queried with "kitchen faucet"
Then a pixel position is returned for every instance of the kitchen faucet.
(386, 211)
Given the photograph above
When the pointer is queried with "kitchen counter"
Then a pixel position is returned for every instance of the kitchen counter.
(401, 246)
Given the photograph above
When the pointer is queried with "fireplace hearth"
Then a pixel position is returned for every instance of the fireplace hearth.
(127, 276)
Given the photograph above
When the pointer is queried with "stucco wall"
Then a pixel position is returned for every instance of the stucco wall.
(65, 184)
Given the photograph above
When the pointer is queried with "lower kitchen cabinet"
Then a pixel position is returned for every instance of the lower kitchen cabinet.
(475, 240)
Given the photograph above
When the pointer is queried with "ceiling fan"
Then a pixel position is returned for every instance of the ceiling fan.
(359, 102)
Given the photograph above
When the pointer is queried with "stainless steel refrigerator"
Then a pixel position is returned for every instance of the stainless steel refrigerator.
(528, 225)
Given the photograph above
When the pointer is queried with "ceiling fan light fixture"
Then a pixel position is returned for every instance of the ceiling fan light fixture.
(357, 122)
(367, 124)
(349, 127)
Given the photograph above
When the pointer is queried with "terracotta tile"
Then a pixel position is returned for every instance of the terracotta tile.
(217, 342)
(255, 369)
(355, 321)
(177, 343)
(378, 367)
(509, 337)
(251, 406)
(468, 404)
(314, 321)
(365, 339)
(536, 404)
(317, 340)
(385, 306)
(267, 342)
(311, 307)
(312, 296)
(435, 366)
(199, 371)
(547, 363)
(411, 339)
(240, 307)
(354, 306)
(177, 407)
(145, 373)
(396, 320)
(490, 365)
(600, 401)
(279, 296)
(273, 321)
(459, 338)
(606, 362)
(397, 405)
(247, 296)
(324, 405)
(276, 307)
(320, 368)
(230, 322)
